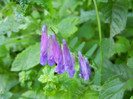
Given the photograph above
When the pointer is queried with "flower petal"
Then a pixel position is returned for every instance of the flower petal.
(83, 67)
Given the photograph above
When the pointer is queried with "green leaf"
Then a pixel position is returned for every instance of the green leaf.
(110, 70)
(31, 94)
(35, 14)
(68, 6)
(68, 84)
(129, 84)
(97, 78)
(60, 95)
(48, 75)
(108, 47)
(7, 82)
(112, 89)
(50, 89)
(73, 42)
(91, 50)
(3, 51)
(86, 31)
(122, 45)
(27, 59)
(87, 15)
(89, 94)
(80, 47)
(67, 26)
(5, 95)
(116, 14)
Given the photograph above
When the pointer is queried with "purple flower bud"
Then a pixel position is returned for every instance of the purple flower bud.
(51, 60)
(58, 56)
(68, 60)
(60, 69)
(56, 49)
(44, 46)
(83, 68)
(88, 66)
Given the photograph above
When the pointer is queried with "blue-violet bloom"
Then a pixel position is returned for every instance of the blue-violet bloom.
(88, 66)
(83, 68)
(44, 46)
(51, 60)
(68, 60)
(60, 69)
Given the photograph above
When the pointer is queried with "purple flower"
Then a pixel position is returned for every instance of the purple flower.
(88, 66)
(58, 56)
(44, 46)
(51, 60)
(60, 69)
(68, 60)
(84, 71)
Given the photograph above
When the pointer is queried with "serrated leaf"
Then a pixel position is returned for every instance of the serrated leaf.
(67, 26)
(110, 70)
(27, 59)
(112, 89)
(116, 14)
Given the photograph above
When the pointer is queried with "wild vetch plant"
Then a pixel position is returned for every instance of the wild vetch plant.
(52, 52)
(83, 51)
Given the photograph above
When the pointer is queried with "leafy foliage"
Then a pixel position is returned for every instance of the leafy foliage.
(26, 59)
(23, 77)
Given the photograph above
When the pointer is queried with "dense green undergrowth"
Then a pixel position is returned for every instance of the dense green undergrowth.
(21, 75)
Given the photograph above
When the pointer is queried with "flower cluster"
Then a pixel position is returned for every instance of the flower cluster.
(62, 57)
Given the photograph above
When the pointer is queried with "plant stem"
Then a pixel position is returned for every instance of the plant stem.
(100, 34)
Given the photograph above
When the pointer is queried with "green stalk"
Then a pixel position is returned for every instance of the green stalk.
(100, 34)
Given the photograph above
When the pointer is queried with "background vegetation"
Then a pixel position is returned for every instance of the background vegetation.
(110, 55)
